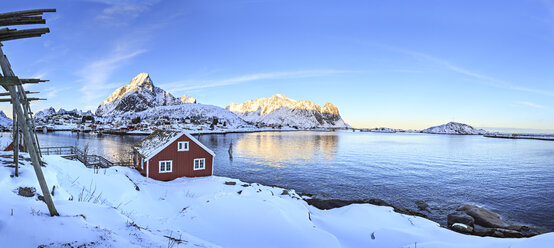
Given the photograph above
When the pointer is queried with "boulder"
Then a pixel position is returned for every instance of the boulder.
(460, 217)
(482, 231)
(483, 216)
(422, 205)
(509, 233)
(26, 191)
(461, 228)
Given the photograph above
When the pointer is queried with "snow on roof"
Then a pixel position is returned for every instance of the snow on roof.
(158, 140)
(150, 145)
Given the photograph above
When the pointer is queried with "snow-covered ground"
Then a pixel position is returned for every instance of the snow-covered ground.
(117, 207)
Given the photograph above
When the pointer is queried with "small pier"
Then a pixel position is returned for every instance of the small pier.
(520, 136)
(72, 152)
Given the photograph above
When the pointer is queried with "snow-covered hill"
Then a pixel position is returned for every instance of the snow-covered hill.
(139, 95)
(118, 207)
(5, 122)
(454, 128)
(49, 112)
(280, 110)
(194, 112)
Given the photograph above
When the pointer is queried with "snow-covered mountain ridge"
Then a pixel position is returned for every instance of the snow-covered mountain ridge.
(5, 122)
(279, 110)
(454, 128)
(139, 95)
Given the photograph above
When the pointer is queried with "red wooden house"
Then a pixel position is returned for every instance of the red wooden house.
(166, 155)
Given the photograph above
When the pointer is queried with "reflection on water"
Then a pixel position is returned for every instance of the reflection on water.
(283, 149)
(112, 147)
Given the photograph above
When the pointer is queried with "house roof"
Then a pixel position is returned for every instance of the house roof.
(159, 140)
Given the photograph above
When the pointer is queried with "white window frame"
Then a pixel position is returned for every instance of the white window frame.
(165, 161)
(203, 160)
(185, 146)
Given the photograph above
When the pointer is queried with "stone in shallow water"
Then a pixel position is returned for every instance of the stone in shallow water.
(460, 217)
(422, 205)
(483, 216)
(462, 228)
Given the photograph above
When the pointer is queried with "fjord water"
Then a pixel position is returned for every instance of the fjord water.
(512, 177)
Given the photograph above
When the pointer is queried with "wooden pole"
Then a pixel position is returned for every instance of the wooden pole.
(15, 142)
(25, 123)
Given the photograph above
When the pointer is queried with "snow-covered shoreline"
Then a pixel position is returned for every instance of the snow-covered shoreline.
(117, 207)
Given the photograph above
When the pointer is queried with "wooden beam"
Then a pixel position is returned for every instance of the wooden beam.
(26, 92)
(32, 80)
(22, 21)
(20, 34)
(10, 81)
(28, 99)
(31, 12)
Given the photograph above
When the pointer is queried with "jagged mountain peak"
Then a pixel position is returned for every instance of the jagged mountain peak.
(139, 95)
(281, 110)
(187, 99)
(330, 108)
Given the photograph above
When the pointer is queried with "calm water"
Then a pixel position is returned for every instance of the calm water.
(513, 177)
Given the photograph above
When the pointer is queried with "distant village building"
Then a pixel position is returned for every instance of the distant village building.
(166, 155)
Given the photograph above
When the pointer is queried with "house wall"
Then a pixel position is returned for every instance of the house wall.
(183, 161)
(136, 161)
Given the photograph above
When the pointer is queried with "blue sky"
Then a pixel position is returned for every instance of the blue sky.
(401, 64)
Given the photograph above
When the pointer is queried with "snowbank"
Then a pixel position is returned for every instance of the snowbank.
(117, 207)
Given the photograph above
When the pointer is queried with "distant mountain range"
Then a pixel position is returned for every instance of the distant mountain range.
(51, 111)
(141, 98)
(280, 110)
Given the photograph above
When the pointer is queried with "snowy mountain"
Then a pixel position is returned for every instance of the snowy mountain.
(5, 122)
(139, 95)
(45, 113)
(454, 128)
(74, 112)
(49, 112)
(194, 112)
(187, 99)
(281, 110)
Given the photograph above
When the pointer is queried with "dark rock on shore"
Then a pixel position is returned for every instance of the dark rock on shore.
(471, 219)
(462, 228)
(422, 205)
(483, 216)
(337, 203)
(460, 217)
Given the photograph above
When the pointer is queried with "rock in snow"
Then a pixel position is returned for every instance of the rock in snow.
(454, 128)
(281, 110)
(139, 95)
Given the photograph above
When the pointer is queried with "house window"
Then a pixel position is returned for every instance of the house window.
(199, 164)
(166, 166)
(182, 146)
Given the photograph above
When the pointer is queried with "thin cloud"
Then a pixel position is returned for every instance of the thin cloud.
(120, 13)
(95, 75)
(530, 104)
(196, 85)
(484, 78)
